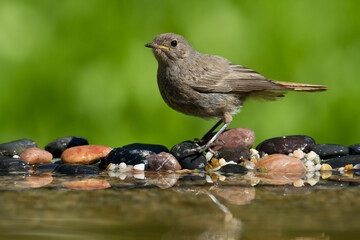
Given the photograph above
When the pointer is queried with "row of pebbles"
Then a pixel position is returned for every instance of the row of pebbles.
(234, 148)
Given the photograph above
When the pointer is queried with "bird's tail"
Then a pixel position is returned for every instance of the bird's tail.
(301, 87)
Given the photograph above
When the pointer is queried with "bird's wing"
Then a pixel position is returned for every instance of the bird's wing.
(234, 79)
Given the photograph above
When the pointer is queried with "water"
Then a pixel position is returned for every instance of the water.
(177, 206)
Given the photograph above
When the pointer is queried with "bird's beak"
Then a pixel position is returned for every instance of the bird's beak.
(154, 45)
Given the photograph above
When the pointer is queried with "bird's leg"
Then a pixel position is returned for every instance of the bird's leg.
(227, 120)
(211, 130)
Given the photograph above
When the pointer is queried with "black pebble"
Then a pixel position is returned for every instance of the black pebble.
(286, 144)
(326, 151)
(16, 147)
(59, 145)
(45, 168)
(354, 149)
(70, 169)
(150, 147)
(130, 157)
(233, 168)
(8, 165)
(343, 161)
(189, 160)
(234, 154)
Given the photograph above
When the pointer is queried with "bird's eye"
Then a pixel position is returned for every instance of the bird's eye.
(173, 43)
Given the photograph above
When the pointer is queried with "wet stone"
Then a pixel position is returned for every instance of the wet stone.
(281, 163)
(286, 144)
(326, 151)
(129, 157)
(46, 168)
(36, 155)
(16, 147)
(70, 169)
(234, 154)
(233, 168)
(8, 164)
(59, 145)
(155, 148)
(87, 154)
(236, 138)
(163, 161)
(343, 161)
(354, 149)
(189, 160)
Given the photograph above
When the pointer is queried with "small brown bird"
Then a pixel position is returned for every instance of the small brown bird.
(210, 86)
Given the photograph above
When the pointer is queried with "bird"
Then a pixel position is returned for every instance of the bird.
(209, 86)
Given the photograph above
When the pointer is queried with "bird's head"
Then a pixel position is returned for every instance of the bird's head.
(169, 47)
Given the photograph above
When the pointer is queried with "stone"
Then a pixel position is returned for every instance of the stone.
(163, 161)
(37, 181)
(16, 147)
(354, 149)
(59, 145)
(286, 144)
(88, 184)
(155, 148)
(233, 168)
(342, 161)
(280, 163)
(71, 169)
(326, 151)
(129, 157)
(13, 165)
(236, 138)
(36, 155)
(86, 154)
(234, 154)
(188, 160)
(46, 168)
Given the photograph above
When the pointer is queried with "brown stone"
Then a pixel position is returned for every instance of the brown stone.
(36, 155)
(280, 169)
(86, 154)
(236, 195)
(236, 138)
(163, 161)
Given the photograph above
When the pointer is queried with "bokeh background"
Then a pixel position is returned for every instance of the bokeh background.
(79, 67)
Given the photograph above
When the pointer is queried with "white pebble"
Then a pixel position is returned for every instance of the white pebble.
(309, 175)
(249, 164)
(357, 166)
(311, 181)
(253, 151)
(111, 167)
(208, 179)
(310, 156)
(317, 167)
(122, 165)
(311, 168)
(299, 154)
(16, 156)
(222, 162)
(342, 170)
(209, 156)
(309, 163)
(140, 167)
(317, 160)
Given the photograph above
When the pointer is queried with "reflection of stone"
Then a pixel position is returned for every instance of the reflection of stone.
(37, 181)
(280, 178)
(88, 184)
(162, 179)
(236, 195)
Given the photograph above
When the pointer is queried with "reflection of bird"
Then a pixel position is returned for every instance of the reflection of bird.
(210, 86)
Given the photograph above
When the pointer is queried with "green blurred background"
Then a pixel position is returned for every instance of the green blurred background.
(79, 67)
